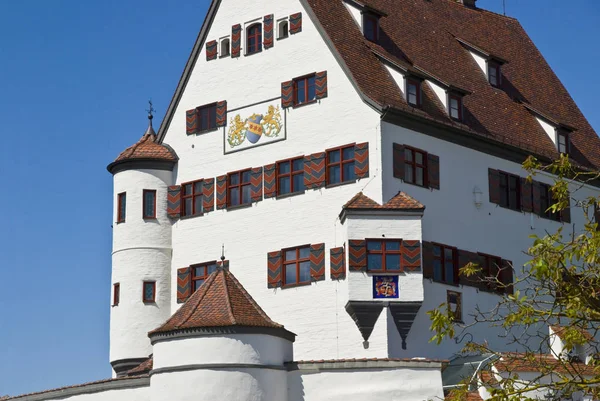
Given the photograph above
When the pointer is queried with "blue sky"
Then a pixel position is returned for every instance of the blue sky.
(75, 77)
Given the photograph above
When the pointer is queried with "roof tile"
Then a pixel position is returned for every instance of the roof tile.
(401, 201)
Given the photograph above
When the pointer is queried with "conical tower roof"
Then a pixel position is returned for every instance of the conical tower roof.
(219, 303)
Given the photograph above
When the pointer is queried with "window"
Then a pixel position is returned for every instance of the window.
(413, 92)
(304, 90)
(290, 176)
(149, 295)
(445, 266)
(200, 273)
(283, 30)
(455, 107)
(546, 202)
(238, 188)
(562, 141)
(149, 204)
(415, 166)
(383, 255)
(493, 73)
(296, 265)
(116, 294)
(490, 270)
(340, 165)
(510, 191)
(207, 117)
(121, 207)
(191, 196)
(225, 47)
(254, 39)
(371, 27)
(454, 300)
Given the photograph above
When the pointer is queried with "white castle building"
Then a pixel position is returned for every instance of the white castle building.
(347, 157)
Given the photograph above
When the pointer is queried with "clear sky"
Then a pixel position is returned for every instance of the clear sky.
(75, 77)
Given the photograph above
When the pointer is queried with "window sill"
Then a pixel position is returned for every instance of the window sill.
(120, 222)
(283, 37)
(253, 53)
(241, 206)
(445, 283)
(150, 218)
(339, 184)
(149, 302)
(113, 306)
(191, 216)
(225, 55)
(298, 105)
(289, 195)
(286, 286)
(385, 273)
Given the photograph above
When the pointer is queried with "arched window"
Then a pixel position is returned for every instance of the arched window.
(225, 47)
(283, 29)
(254, 39)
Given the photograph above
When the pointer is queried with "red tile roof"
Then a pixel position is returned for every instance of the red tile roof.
(374, 360)
(543, 363)
(142, 368)
(428, 39)
(560, 331)
(470, 396)
(147, 148)
(401, 201)
(220, 302)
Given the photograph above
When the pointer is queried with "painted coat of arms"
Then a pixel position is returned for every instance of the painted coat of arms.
(250, 131)
(385, 287)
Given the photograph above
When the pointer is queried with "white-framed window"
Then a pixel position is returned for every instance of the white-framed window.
(283, 28)
(224, 47)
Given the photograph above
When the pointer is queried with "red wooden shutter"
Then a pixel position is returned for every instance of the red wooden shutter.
(411, 255)
(295, 23)
(222, 192)
(287, 94)
(317, 262)
(256, 184)
(321, 85)
(565, 214)
(222, 113)
(268, 31)
(427, 260)
(507, 276)
(494, 185)
(270, 179)
(537, 194)
(208, 194)
(236, 40)
(174, 201)
(433, 171)
(191, 122)
(526, 195)
(361, 160)
(357, 251)
(337, 263)
(211, 50)
(274, 277)
(184, 285)
(314, 170)
(398, 153)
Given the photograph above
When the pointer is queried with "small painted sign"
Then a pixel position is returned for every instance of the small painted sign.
(254, 125)
(385, 287)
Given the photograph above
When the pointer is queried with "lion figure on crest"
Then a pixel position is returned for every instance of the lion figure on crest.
(271, 122)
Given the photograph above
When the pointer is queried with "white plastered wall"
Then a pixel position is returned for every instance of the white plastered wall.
(481, 62)
(549, 129)
(398, 77)
(355, 12)
(439, 92)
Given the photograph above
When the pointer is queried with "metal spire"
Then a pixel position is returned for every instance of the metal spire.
(151, 110)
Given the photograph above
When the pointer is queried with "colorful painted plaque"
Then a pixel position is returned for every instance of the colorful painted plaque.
(254, 125)
(385, 287)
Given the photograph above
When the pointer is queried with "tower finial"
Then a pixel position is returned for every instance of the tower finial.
(151, 110)
(222, 252)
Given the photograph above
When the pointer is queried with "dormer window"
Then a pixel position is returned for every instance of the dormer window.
(562, 142)
(455, 107)
(413, 92)
(493, 73)
(371, 27)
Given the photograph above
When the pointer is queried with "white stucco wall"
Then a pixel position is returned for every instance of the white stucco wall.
(141, 252)
(355, 12)
(549, 129)
(97, 392)
(481, 62)
(439, 92)
(398, 77)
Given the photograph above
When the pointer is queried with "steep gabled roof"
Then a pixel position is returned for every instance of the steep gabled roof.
(220, 302)
(542, 363)
(401, 201)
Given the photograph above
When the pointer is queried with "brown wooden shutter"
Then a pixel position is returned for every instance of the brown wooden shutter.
(174, 201)
(337, 263)
(184, 285)
(565, 214)
(411, 255)
(287, 94)
(361, 160)
(427, 259)
(398, 161)
(268, 31)
(222, 192)
(211, 50)
(537, 194)
(526, 195)
(208, 195)
(256, 184)
(597, 216)
(236, 40)
(317, 262)
(464, 258)
(274, 276)
(295, 23)
(222, 113)
(314, 170)
(494, 185)
(321, 85)
(191, 122)
(433, 171)
(507, 276)
(357, 251)
(270, 179)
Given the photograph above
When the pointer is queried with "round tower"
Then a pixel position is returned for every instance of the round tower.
(220, 345)
(141, 257)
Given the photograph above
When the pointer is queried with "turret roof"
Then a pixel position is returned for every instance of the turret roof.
(401, 201)
(220, 302)
(148, 148)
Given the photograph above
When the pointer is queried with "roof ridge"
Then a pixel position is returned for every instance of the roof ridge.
(227, 299)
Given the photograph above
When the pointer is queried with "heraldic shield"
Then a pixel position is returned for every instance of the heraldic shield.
(255, 129)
